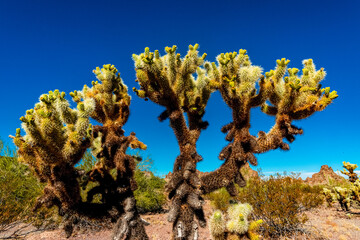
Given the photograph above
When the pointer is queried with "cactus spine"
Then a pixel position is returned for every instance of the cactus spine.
(349, 171)
(235, 224)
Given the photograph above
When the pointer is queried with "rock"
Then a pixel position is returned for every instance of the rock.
(248, 172)
(324, 177)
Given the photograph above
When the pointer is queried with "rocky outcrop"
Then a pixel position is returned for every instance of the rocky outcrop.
(324, 177)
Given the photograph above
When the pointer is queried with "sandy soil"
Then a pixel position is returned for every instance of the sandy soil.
(323, 223)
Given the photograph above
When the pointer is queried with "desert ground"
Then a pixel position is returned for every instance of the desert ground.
(324, 223)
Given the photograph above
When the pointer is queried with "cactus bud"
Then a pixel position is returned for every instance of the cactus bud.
(81, 107)
(242, 51)
(18, 131)
(333, 95)
(147, 50)
(157, 55)
(305, 71)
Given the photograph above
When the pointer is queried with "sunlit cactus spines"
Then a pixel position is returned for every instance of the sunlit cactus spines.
(243, 209)
(234, 224)
(329, 196)
(56, 139)
(217, 225)
(238, 225)
(344, 197)
(347, 196)
(183, 86)
(349, 171)
(355, 189)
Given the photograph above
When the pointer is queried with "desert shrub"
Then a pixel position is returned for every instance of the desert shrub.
(220, 199)
(150, 192)
(280, 201)
(19, 189)
(150, 195)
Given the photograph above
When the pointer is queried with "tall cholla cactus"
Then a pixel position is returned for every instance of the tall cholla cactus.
(291, 98)
(109, 146)
(168, 81)
(56, 139)
(346, 196)
(349, 171)
(235, 224)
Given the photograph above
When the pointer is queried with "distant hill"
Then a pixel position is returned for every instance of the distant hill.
(323, 177)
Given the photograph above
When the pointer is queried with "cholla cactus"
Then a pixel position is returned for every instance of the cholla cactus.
(291, 98)
(57, 138)
(329, 196)
(343, 195)
(109, 146)
(349, 171)
(355, 189)
(217, 225)
(168, 81)
(236, 221)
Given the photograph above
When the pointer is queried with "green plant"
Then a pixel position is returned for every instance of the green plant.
(234, 224)
(343, 195)
(150, 195)
(280, 201)
(57, 138)
(349, 171)
(170, 82)
(220, 199)
(346, 194)
(18, 190)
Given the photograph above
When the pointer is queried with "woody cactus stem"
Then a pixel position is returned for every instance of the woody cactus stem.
(109, 146)
(291, 98)
(168, 81)
(56, 139)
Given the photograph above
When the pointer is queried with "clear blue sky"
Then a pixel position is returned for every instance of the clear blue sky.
(47, 45)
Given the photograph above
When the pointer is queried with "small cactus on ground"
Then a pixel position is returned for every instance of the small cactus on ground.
(343, 195)
(235, 224)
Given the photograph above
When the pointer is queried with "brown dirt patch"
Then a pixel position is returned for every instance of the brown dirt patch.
(323, 223)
